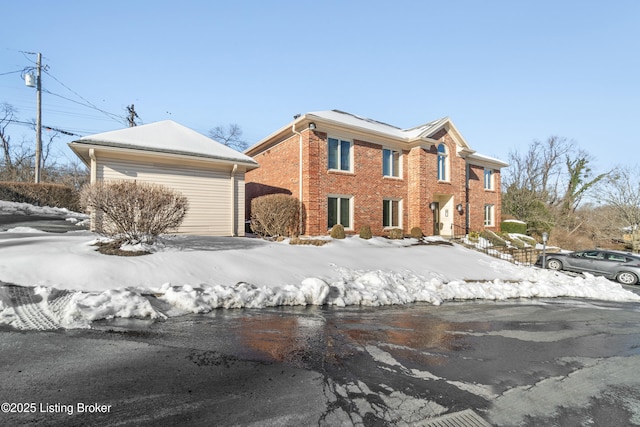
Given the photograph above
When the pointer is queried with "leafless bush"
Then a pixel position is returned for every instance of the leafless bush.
(275, 215)
(134, 212)
(416, 233)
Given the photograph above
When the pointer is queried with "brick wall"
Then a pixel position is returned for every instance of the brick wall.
(365, 184)
(278, 172)
(478, 197)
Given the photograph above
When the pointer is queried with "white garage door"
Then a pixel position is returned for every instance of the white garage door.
(208, 190)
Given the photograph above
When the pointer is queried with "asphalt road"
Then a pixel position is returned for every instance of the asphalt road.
(517, 363)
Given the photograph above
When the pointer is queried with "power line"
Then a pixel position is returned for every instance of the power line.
(11, 72)
(65, 132)
(106, 113)
(88, 103)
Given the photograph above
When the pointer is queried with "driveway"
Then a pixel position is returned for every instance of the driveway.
(555, 362)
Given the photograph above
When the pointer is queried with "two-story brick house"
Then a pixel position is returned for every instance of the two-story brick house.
(355, 171)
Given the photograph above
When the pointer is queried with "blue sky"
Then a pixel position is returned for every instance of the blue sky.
(505, 72)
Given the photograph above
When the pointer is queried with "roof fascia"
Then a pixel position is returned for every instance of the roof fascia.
(485, 161)
(80, 147)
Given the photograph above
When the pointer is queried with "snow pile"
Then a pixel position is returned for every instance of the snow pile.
(378, 287)
(15, 208)
(63, 282)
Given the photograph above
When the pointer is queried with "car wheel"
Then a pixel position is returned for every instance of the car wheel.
(627, 278)
(554, 264)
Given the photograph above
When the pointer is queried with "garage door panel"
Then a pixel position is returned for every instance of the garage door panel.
(208, 191)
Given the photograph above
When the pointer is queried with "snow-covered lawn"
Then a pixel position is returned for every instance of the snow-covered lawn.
(69, 284)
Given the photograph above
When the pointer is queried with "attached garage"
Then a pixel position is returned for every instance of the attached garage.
(208, 173)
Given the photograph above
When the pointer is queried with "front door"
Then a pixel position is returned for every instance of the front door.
(436, 219)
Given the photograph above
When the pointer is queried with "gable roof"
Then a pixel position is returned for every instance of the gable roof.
(166, 137)
(422, 134)
(423, 131)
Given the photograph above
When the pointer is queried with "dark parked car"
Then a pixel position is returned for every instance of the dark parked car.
(614, 265)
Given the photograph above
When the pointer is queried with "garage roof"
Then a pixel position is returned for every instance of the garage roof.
(165, 137)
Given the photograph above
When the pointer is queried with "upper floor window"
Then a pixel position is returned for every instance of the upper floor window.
(443, 162)
(339, 154)
(488, 215)
(488, 179)
(390, 162)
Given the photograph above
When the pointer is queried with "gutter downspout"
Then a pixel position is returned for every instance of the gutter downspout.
(93, 168)
(293, 129)
(467, 175)
(233, 200)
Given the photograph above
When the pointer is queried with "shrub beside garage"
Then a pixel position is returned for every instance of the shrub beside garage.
(41, 194)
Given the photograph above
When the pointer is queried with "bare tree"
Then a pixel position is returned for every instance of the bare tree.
(7, 114)
(231, 136)
(621, 191)
(539, 169)
(546, 184)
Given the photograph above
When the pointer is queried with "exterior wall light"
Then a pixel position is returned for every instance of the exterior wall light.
(432, 206)
(459, 208)
(312, 126)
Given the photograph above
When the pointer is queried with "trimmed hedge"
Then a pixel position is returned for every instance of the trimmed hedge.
(337, 232)
(43, 194)
(365, 232)
(513, 227)
(396, 234)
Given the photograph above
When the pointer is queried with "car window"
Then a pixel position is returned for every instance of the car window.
(592, 254)
(616, 257)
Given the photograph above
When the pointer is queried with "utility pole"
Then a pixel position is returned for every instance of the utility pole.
(132, 116)
(38, 117)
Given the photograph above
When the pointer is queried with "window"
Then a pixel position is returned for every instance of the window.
(488, 179)
(339, 211)
(339, 154)
(390, 163)
(442, 162)
(488, 215)
(616, 257)
(391, 213)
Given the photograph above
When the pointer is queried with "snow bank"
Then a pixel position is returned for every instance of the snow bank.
(64, 283)
(379, 287)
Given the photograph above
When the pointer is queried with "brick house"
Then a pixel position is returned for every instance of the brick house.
(356, 171)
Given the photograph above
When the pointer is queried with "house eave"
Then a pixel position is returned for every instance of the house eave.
(327, 125)
(479, 160)
(82, 150)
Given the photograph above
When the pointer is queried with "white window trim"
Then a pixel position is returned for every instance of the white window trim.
(351, 157)
(400, 154)
(490, 187)
(400, 213)
(447, 163)
(490, 222)
(343, 196)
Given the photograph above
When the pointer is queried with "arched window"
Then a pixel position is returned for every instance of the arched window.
(442, 162)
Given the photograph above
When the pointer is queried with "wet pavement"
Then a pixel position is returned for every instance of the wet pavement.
(517, 363)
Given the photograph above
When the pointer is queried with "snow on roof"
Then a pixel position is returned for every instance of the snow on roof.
(166, 137)
(426, 129)
(419, 133)
(481, 158)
